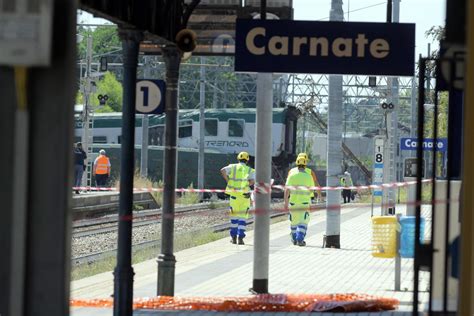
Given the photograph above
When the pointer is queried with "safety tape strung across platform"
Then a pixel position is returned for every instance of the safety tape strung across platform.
(312, 208)
(265, 188)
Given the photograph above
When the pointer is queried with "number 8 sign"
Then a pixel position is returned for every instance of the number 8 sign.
(150, 96)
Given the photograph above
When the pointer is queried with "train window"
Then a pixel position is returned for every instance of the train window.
(119, 139)
(156, 135)
(236, 128)
(211, 127)
(185, 129)
(99, 139)
(77, 139)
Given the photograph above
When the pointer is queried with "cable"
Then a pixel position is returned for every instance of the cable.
(358, 9)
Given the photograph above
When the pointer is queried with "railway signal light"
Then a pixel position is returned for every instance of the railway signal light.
(103, 64)
(102, 99)
(387, 106)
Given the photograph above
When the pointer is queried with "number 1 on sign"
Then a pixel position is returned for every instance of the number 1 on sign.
(145, 95)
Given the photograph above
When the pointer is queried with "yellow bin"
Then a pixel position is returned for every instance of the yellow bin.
(384, 236)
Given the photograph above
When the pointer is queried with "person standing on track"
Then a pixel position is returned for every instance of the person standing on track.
(308, 171)
(346, 181)
(239, 177)
(101, 169)
(298, 201)
(79, 165)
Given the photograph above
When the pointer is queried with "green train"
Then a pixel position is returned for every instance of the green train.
(227, 132)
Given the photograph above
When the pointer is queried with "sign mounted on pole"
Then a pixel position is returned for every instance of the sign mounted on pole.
(411, 168)
(150, 97)
(411, 143)
(325, 47)
(378, 164)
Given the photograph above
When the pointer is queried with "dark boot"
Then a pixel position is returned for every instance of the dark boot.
(241, 241)
(301, 243)
(233, 240)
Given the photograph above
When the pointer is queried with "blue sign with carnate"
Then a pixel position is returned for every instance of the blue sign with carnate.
(288, 46)
(411, 143)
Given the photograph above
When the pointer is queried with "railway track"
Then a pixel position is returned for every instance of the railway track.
(150, 244)
(147, 217)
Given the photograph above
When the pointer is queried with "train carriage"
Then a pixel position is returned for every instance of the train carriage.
(227, 132)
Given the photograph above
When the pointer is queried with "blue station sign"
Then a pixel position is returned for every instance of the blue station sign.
(288, 46)
(428, 144)
(150, 96)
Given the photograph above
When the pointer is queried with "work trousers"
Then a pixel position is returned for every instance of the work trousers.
(78, 171)
(346, 195)
(101, 180)
(239, 213)
(299, 219)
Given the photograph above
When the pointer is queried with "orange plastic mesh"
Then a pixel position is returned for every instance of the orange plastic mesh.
(259, 303)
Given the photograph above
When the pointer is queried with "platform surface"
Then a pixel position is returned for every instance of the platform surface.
(223, 269)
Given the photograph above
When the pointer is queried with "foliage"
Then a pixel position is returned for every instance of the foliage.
(188, 198)
(108, 85)
(140, 182)
(104, 40)
(223, 88)
(436, 32)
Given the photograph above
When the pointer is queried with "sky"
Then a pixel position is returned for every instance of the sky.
(424, 13)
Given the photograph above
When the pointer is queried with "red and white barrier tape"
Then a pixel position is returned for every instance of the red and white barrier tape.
(265, 188)
(280, 209)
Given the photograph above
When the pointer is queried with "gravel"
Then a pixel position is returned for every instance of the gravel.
(184, 223)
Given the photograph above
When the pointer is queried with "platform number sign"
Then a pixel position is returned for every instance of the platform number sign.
(378, 163)
(150, 96)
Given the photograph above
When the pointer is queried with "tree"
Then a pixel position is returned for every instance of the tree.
(104, 40)
(109, 86)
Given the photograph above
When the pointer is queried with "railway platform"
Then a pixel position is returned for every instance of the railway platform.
(223, 269)
(92, 202)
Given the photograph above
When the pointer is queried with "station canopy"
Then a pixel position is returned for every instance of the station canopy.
(213, 21)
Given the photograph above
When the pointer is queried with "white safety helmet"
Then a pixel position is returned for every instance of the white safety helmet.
(102, 152)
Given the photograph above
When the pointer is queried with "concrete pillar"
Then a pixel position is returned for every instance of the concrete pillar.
(7, 228)
(439, 244)
(51, 95)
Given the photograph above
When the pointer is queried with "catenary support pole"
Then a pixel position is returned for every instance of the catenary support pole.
(202, 124)
(123, 273)
(398, 259)
(390, 168)
(87, 114)
(167, 260)
(263, 160)
(334, 158)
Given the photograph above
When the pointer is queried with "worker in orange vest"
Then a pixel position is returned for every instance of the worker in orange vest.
(101, 169)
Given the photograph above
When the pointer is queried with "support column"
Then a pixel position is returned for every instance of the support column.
(123, 273)
(50, 100)
(202, 125)
(466, 305)
(145, 123)
(7, 226)
(263, 161)
(334, 158)
(167, 260)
